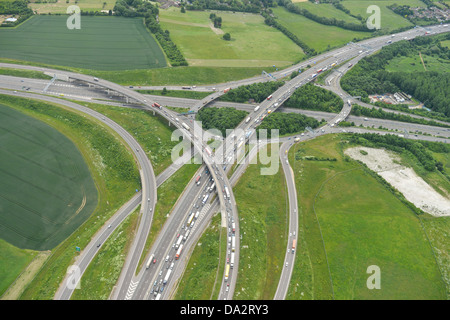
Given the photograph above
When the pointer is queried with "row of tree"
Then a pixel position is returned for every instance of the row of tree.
(380, 114)
(271, 21)
(312, 97)
(430, 87)
(17, 7)
(139, 8)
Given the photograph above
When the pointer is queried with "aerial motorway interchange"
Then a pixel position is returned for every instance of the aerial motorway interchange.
(211, 188)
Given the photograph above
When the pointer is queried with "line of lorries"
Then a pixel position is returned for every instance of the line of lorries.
(158, 286)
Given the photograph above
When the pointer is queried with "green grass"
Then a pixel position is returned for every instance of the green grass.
(151, 132)
(362, 224)
(445, 43)
(103, 272)
(389, 19)
(112, 167)
(12, 262)
(102, 43)
(262, 206)
(198, 279)
(253, 43)
(326, 10)
(47, 191)
(316, 35)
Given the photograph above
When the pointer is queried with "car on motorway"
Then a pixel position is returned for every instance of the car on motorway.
(228, 287)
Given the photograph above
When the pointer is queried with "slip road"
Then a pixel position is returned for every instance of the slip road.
(229, 309)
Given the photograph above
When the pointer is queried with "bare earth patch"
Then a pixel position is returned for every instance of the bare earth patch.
(404, 179)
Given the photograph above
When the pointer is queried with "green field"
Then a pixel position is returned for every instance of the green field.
(263, 216)
(316, 35)
(389, 19)
(47, 190)
(253, 43)
(327, 10)
(60, 6)
(102, 43)
(349, 221)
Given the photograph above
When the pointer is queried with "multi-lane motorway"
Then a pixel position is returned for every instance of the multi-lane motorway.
(140, 286)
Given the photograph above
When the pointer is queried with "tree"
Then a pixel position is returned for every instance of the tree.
(227, 37)
(183, 10)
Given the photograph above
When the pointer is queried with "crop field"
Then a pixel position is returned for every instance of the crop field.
(316, 35)
(102, 43)
(60, 6)
(253, 43)
(47, 190)
(389, 19)
(348, 222)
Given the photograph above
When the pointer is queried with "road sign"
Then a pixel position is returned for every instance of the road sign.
(78, 249)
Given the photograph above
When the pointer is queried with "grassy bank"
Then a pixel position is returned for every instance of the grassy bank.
(262, 206)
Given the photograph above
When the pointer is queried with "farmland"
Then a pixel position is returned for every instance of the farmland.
(46, 186)
(102, 43)
(323, 36)
(349, 221)
(253, 44)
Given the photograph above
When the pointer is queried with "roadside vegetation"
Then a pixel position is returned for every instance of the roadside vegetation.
(168, 194)
(257, 92)
(312, 97)
(287, 123)
(24, 73)
(220, 118)
(187, 94)
(112, 167)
